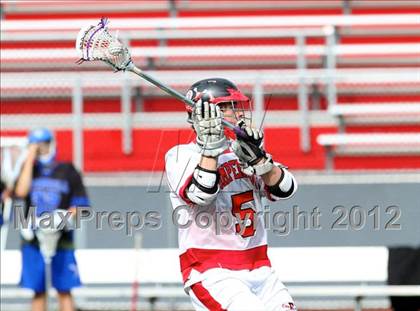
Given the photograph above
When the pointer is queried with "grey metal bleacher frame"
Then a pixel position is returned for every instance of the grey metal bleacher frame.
(153, 293)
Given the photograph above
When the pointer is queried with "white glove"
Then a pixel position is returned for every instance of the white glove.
(250, 151)
(207, 122)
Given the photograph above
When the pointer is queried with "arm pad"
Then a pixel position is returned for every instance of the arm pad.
(285, 187)
(204, 186)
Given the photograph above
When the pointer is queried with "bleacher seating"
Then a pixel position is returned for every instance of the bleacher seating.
(377, 58)
(364, 276)
(378, 113)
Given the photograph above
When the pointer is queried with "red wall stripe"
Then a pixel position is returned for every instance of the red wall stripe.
(103, 150)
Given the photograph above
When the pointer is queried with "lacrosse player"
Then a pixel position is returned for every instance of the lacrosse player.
(230, 269)
(51, 187)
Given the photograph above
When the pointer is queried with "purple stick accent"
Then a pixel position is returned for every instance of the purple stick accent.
(240, 132)
(102, 24)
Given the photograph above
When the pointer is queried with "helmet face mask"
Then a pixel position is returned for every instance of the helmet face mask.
(234, 112)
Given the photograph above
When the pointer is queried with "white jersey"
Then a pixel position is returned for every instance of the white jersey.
(205, 244)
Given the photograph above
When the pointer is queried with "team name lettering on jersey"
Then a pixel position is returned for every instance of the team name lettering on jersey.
(230, 171)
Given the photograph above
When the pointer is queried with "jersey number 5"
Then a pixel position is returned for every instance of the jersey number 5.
(244, 213)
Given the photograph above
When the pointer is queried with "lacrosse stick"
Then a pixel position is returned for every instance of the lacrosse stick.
(48, 240)
(13, 154)
(96, 43)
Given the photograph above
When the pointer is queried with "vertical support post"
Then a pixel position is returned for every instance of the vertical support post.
(305, 141)
(331, 66)
(138, 99)
(258, 99)
(77, 108)
(329, 158)
(172, 8)
(162, 39)
(346, 7)
(127, 126)
(163, 42)
(341, 124)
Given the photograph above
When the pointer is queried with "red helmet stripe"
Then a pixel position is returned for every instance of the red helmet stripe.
(235, 95)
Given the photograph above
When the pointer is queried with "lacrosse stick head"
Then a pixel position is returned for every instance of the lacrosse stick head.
(96, 43)
(48, 240)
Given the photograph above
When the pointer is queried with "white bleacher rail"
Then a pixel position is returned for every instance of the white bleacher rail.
(370, 139)
(376, 113)
(246, 32)
(125, 24)
(180, 56)
(13, 83)
(167, 34)
(375, 109)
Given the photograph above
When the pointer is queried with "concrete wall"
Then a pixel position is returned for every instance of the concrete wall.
(330, 219)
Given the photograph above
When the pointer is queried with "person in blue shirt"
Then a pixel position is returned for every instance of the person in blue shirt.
(49, 186)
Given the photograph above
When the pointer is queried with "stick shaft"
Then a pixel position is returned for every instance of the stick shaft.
(170, 90)
(6, 219)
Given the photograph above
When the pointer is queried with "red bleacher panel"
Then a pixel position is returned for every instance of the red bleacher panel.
(156, 104)
(23, 106)
(150, 104)
(379, 39)
(103, 150)
(390, 128)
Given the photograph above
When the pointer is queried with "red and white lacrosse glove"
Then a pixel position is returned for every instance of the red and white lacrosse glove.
(207, 121)
(250, 151)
